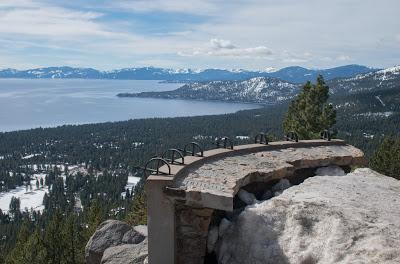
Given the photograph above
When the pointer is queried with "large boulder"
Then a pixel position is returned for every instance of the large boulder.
(126, 254)
(109, 234)
(338, 219)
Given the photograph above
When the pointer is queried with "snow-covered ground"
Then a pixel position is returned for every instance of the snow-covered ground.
(33, 198)
(377, 114)
(202, 137)
(29, 199)
(30, 156)
(132, 181)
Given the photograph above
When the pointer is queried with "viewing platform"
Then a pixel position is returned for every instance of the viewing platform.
(182, 199)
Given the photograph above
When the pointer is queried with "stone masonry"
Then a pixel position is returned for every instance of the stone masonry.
(191, 232)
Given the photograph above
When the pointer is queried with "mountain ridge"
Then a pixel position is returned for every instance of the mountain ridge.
(254, 90)
(269, 90)
(294, 74)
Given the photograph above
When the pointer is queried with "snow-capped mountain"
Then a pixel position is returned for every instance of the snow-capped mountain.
(272, 90)
(297, 74)
(52, 72)
(258, 90)
(289, 74)
(379, 80)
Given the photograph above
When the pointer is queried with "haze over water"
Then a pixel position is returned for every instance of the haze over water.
(27, 103)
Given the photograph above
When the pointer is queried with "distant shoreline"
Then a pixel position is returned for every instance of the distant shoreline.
(197, 100)
(69, 125)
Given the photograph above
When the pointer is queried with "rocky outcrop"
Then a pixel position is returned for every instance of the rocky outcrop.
(126, 254)
(326, 219)
(113, 240)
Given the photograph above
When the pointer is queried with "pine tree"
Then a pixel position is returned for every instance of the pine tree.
(30, 251)
(138, 211)
(309, 113)
(53, 239)
(14, 207)
(94, 218)
(34, 250)
(386, 159)
(74, 243)
(16, 256)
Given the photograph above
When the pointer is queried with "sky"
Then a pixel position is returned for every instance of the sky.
(199, 34)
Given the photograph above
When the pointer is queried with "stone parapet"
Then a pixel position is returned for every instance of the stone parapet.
(180, 205)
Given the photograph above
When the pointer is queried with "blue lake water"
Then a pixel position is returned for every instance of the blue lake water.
(35, 103)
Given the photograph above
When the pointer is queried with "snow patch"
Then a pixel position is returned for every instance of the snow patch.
(30, 156)
(29, 199)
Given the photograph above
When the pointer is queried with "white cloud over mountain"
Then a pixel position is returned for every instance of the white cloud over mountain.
(252, 34)
(225, 48)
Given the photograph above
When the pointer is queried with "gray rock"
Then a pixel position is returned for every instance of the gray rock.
(223, 226)
(267, 195)
(126, 254)
(141, 229)
(330, 171)
(282, 185)
(246, 197)
(132, 237)
(337, 219)
(212, 238)
(110, 233)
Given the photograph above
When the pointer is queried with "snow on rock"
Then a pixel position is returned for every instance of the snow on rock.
(337, 219)
(330, 171)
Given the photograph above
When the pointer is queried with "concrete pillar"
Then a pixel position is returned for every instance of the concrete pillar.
(160, 222)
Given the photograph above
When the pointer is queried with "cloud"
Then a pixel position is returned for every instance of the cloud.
(35, 28)
(49, 21)
(343, 58)
(254, 33)
(187, 6)
(17, 3)
(225, 48)
(291, 57)
(218, 44)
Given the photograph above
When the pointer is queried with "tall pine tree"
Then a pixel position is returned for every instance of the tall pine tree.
(310, 113)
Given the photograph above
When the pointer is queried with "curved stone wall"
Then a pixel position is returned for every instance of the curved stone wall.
(180, 206)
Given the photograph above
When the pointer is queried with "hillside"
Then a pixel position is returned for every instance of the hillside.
(258, 90)
(381, 80)
(272, 90)
(290, 74)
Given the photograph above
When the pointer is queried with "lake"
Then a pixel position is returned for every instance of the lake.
(31, 103)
